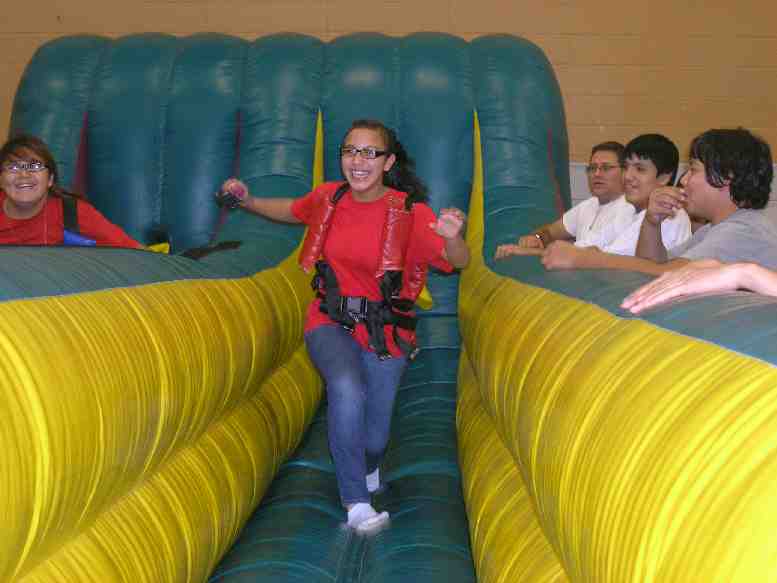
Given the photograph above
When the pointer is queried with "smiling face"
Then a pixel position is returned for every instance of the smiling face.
(640, 178)
(365, 175)
(605, 176)
(25, 189)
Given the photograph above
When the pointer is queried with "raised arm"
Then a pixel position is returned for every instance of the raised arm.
(234, 193)
(449, 226)
(664, 203)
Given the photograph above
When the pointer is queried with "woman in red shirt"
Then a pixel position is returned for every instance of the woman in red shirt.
(361, 359)
(33, 206)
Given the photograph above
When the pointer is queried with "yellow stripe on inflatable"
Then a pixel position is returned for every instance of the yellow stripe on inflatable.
(199, 387)
(318, 152)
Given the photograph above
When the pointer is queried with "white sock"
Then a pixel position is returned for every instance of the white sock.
(363, 517)
(373, 481)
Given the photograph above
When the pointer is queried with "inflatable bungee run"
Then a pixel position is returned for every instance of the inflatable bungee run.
(161, 421)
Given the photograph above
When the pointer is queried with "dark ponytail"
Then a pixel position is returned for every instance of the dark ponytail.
(401, 176)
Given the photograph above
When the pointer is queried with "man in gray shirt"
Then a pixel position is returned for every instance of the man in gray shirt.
(728, 183)
(747, 235)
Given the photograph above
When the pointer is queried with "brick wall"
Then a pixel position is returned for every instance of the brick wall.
(624, 68)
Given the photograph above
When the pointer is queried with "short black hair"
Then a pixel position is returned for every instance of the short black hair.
(615, 147)
(658, 149)
(738, 158)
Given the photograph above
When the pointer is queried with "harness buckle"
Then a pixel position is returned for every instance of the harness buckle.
(354, 306)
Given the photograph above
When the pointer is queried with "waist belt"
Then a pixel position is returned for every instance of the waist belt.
(349, 311)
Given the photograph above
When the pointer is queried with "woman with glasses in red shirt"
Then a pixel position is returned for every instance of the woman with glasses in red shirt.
(35, 210)
(371, 238)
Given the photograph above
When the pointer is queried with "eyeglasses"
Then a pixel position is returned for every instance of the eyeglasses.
(16, 167)
(593, 168)
(369, 152)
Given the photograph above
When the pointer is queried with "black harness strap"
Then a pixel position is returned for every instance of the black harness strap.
(340, 192)
(70, 214)
(332, 303)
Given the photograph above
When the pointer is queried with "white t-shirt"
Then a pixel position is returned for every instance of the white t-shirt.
(597, 225)
(674, 231)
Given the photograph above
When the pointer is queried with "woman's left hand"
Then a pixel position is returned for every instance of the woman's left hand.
(450, 223)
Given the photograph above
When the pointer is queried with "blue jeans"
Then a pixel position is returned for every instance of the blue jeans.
(361, 390)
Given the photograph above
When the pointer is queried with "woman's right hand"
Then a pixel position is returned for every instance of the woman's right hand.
(233, 193)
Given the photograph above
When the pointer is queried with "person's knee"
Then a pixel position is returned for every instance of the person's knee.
(345, 384)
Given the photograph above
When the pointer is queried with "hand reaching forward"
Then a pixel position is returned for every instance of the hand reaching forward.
(698, 277)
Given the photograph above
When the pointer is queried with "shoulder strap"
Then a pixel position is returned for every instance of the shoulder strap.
(70, 214)
(340, 192)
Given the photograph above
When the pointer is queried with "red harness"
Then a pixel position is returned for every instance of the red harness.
(395, 287)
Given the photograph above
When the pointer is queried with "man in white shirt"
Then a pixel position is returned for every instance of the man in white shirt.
(651, 162)
(596, 221)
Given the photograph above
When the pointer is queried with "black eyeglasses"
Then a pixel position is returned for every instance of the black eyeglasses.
(593, 168)
(16, 167)
(369, 152)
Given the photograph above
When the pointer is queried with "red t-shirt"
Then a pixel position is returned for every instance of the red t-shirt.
(353, 247)
(46, 228)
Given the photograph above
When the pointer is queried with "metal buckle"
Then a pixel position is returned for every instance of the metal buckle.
(355, 307)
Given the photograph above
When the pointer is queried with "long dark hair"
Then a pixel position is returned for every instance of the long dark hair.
(20, 144)
(401, 176)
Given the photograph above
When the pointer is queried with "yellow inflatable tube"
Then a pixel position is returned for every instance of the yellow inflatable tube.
(140, 443)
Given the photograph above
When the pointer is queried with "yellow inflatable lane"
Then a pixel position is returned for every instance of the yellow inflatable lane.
(140, 443)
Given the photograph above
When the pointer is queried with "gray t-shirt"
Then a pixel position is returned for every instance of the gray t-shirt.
(747, 235)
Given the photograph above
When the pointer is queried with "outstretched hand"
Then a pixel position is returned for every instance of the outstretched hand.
(698, 277)
(450, 223)
(232, 194)
(508, 249)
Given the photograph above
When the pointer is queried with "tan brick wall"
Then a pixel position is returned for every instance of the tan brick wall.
(624, 68)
